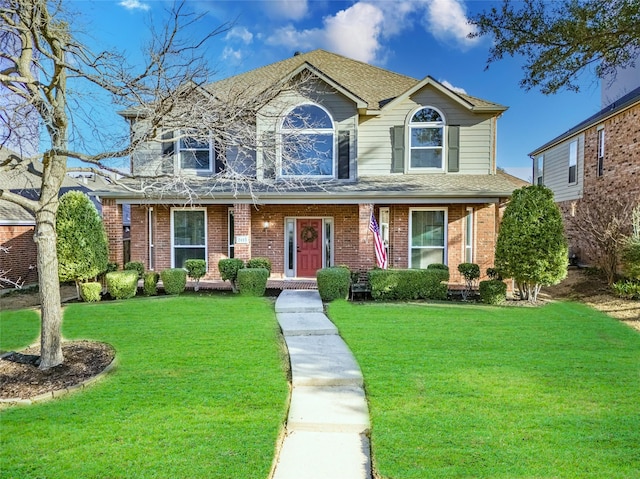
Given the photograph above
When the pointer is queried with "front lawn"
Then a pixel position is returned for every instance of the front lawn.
(483, 392)
(199, 391)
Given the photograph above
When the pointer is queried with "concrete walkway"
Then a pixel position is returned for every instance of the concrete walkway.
(326, 434)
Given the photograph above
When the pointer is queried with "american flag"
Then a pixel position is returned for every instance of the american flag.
(381, 252)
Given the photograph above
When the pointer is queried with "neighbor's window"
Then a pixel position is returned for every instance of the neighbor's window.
(195, 154)
(428, 238)
(540, 170)
(573, 162)
(188, 235)
(600, 152)
(307, 147)
(426, 139)
(468, 236)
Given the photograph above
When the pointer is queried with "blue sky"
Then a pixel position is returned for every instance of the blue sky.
(412, 37)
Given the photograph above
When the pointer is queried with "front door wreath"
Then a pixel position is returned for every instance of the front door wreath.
(308, 234)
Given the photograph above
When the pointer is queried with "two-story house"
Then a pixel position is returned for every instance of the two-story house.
(416, 154)
(596, 159)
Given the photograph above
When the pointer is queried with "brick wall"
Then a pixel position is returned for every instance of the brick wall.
(621, 175)
(353, 242)
(21, 260)
(112, 219)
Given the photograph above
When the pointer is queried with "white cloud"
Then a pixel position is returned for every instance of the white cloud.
(353, 32)
(134, 5)
(287, 9)
(447, 20)
(240, 33)
(454, 88)
(230, 54)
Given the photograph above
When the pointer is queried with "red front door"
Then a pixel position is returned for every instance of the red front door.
(309, 247)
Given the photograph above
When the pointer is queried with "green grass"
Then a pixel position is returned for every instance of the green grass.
(199, 392)
(483, 392)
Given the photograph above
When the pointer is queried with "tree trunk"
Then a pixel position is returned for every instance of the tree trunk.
(51, 312)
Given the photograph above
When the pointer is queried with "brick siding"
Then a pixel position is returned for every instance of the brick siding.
(21, 259)
(621, 175)
(352, 241)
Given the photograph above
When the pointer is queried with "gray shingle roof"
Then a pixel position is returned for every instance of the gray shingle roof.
(376, 86)
(435, 187)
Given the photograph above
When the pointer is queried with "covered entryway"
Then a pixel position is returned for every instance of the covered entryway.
(309, 247)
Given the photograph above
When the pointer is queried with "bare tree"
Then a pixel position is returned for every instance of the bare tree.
(5, 280)
(43, 67)
(602, 228)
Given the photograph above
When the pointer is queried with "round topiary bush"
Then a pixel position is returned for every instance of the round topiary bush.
(174, 280)
(229, 268)
(260, 263)
(135, 266)
(196, 269)
(122, 284)
(91, 291)
(252, 281)
(333, 283)
(493, 291)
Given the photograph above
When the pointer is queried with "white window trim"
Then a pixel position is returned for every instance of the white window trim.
(206, 236)
(446, 233)
(410, 125)
(600, 146)
(469, 243)
(151, 246)
(575, 160)
(230, 214)
(179, 150)
(307, 131)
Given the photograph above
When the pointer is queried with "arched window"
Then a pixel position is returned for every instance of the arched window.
(426, 139)
(307, 147)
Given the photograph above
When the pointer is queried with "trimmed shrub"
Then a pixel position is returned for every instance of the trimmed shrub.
(439, 266)
(111, 267)
(174, 280)
(135, 266)
(408, 284)
(150, 283)
(493, 291)
(260, 263)
(252, 281)
(122, 284)
(229, 268)
(91, 291)
(81, 244)
(626, 289)
(531, 247)
(333, 283)
(196, 269)
(470, 272)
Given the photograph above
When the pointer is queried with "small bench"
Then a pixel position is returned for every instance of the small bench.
(359, 284)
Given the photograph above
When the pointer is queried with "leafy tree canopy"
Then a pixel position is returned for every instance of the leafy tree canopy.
(560, 39)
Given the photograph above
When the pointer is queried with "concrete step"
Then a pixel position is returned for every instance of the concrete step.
(299, 301)
(328, 409)
(301, 324)
(324, 455)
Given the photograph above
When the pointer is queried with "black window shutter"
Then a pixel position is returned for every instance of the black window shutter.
(269, 156)
(343, 154)
(219, 160)
(397, 160)
(453, 150)
(168, 146)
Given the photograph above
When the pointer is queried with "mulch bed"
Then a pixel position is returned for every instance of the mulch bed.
(21, 378)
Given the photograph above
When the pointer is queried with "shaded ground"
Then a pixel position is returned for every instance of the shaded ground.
(83, 359)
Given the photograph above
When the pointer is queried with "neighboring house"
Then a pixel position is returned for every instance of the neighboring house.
(598, 158)
(17, 225)
(418, 155)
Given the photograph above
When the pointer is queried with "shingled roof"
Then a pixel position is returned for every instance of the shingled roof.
(375, 86)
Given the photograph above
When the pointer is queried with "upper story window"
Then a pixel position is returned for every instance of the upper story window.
(307, 147)
(195, 154)
(600, 171)
(426, 139)
(573, 162)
